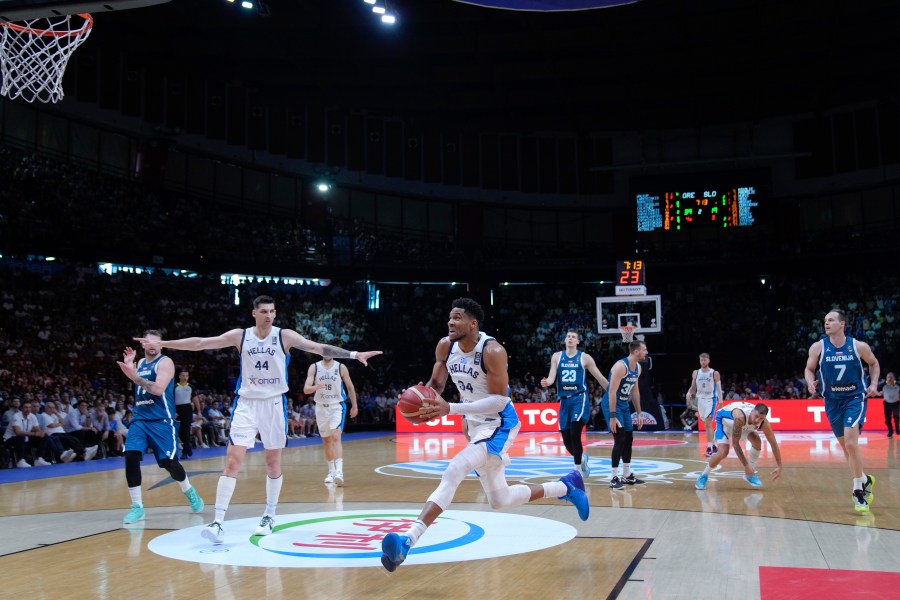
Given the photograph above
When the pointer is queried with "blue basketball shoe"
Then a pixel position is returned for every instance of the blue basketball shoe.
(753, 480)
(575, 494)
(195, 499)
(134, 515)
(394, 550)
(701, 481)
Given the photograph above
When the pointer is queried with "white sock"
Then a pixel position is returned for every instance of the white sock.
(339, 465)
(330, 466)
(224, 490)
(185, 485)
(554, 489)
(615, 471)
(135, 494)
(626, 469)
(859, 482)
(273, 490)
(707, 470)
(752, 457)
(416, 531)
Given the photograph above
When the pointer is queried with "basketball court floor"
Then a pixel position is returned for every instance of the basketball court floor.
(798, 537)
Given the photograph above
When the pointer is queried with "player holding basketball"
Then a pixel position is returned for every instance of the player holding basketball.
(478, 365)
(839, 360)
(572, 393)
(706, 387)
(740, 422)
(623, 389)
(260, 405)
(330, 381)
(153, 423)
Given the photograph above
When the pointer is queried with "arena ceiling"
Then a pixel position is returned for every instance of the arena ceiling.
(651, 64)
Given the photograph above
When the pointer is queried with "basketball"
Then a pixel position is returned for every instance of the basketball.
(412, 400)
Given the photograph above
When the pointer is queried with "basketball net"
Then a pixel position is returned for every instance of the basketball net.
(34, 54)
(627, 332)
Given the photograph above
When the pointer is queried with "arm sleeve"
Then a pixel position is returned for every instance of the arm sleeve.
(488, 405)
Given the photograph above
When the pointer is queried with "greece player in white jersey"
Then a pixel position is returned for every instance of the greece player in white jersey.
(477, 364)
(736, 423)
(330, 381)
(259, 405)
(706, 388)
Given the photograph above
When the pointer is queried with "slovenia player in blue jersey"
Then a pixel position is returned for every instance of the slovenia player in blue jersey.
(572, 366)
(153, 424)
(839, 360)
(622, 391)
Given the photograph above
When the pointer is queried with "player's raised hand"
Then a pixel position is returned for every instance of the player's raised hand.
(364, 357)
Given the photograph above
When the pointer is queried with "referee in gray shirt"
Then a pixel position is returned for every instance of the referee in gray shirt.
(891, 393)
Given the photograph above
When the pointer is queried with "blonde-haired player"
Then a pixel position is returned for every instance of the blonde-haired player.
(706, 388)
(330, 381)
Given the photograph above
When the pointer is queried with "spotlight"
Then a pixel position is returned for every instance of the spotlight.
(247, 4)
(323, 186)
(388, 19)
(379, 10)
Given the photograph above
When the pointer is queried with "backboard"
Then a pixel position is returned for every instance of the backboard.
(643, 312)
(18, 10)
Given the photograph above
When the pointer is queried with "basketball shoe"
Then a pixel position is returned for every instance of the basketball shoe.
(339, 478)
(394, 550)
(195, 499)
(330, 477)
(753, 480)
(585, 467)
(134, 515)
(616, 483)
(859, 501)
(701, 481)
(575, 494)
(868, 487)
(265, 526)
(214, 533)
(632, 480)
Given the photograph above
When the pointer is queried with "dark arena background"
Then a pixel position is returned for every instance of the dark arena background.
(718, 174)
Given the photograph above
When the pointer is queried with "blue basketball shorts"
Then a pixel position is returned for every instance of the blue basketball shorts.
(161, 436)
(573, 408)
(846, 412)
(623, 414)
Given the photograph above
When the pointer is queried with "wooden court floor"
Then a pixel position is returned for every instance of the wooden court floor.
(62, 534)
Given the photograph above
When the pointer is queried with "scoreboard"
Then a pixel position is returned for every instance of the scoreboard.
(693, 202)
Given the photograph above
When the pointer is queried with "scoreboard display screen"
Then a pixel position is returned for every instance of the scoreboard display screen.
(689, 203)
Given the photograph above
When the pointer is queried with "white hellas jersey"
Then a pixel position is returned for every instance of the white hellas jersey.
(706, 383)
(334, 390)
(467, 372)
(263, 365)
(727, 418)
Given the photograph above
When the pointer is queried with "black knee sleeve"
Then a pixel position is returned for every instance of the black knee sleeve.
(174, 468)
(618, 446)
(628, 442)
(133, 468)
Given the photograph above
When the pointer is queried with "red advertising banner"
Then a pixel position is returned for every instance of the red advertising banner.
(784, 415)
(809, 414)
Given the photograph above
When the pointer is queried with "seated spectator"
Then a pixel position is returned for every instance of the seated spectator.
(308, 418)
(213, 413)
(202, 432)
(24, 433)
(689, 418)
(78, 423)
(295, 422)
(63, 447)
(115, 440)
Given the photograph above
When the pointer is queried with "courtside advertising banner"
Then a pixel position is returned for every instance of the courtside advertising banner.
(784, 415)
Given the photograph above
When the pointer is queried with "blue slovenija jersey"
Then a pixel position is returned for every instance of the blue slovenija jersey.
(841, 370)
(570, 378)
(148, 407)
(623, 394)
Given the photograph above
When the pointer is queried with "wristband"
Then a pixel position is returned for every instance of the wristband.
(353, 354)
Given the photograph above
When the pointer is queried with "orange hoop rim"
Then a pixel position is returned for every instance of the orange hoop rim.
(88, 23)
(627, 328)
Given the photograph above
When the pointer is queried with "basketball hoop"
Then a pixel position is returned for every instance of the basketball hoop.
(34, 53)
(627, 332)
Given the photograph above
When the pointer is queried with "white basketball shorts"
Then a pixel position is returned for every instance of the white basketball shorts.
(330, 416)
(268, 416)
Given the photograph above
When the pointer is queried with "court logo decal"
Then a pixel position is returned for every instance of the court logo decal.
(549, 468)
(353, 539)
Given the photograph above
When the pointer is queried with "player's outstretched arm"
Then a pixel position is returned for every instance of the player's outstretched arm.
(773, 444)
(292, 339)
(229, 338)
(811, 364)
